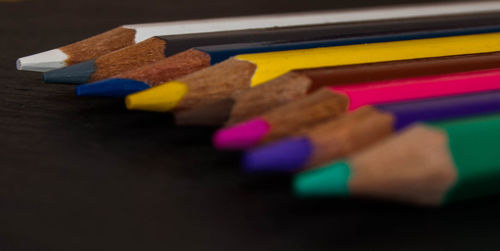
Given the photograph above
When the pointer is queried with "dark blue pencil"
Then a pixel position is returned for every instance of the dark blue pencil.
(158, 48)
(196, 58)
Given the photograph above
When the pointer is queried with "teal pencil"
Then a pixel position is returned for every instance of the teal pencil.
(428, 164)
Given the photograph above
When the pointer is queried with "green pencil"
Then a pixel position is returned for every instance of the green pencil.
(427, 164)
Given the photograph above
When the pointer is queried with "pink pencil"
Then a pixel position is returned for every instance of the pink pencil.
(271, 126)
(418, 88)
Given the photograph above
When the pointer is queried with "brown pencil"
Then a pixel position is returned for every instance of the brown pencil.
(219, 46)
(259, 130)
(250, 70)
(298, 83)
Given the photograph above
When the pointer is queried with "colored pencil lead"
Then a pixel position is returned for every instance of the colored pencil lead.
(131, 34)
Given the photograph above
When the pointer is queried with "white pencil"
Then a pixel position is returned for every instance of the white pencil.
(127, 35)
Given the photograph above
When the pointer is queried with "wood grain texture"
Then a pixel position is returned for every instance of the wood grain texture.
(96, 46)
(170, 68)
(246, 103)
(216, 82)
(306, 112)
(85, 174)
(279, 91)
(132, 57)
(343, 136)
(298, 83)
(212, 114)
(415, 166)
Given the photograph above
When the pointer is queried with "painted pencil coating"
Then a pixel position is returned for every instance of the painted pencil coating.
(298, 83)
(145, 31)
(158, 49)
(426, 164)
(406, 113)
(330, 140)
(417, 88)
(337, 138)
(229, 75)
(220, 53)
(309, 111)
(78, 52)
(378, 93)
(247, 104)
(171, 68)
(272, 64)
(130, 34)
(189, 61)
(414, 167)
(473, 144)
(109, 64)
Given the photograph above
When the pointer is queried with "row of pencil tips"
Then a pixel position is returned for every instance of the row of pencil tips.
(406, 108)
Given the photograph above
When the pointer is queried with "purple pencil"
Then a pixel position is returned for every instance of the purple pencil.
(340, 137)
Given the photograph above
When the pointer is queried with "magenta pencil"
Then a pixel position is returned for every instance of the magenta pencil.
(329, 102)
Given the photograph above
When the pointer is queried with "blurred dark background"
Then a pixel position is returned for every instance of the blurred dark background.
(85, 174)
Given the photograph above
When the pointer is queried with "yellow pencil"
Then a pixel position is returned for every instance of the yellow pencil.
(249, 70)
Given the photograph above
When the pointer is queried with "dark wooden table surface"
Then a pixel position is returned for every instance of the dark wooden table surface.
(85, 174)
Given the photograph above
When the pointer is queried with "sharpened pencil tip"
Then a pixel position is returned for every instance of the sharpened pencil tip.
(75, 74)
(42, 62)
(241, 136)
(329, 180)
(213, 114)
(161, 98)
(19, 64)
(113, 87)
(287, 155)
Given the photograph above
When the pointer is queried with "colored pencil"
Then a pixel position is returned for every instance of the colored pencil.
(168, 69)
(427, 164)
(338, 138)
(159, 48)
(131, 34)
(298, 83)
(249, 70)
(290, 118)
